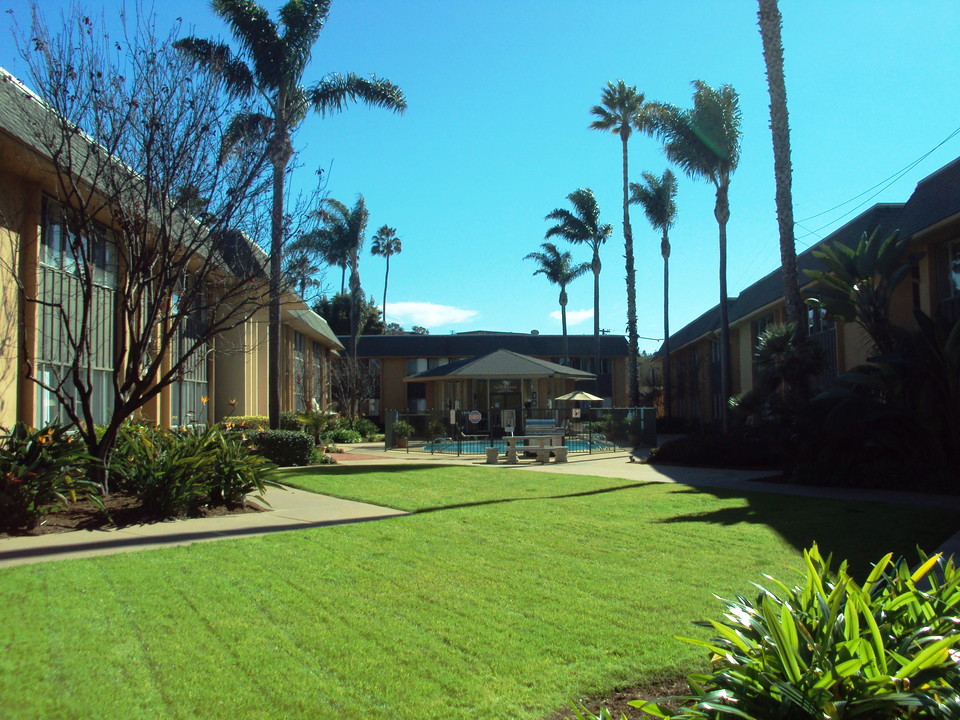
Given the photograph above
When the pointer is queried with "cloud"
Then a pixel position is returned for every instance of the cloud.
(574, 317)
(428, 315)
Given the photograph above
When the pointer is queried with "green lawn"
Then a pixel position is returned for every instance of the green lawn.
(503, 596)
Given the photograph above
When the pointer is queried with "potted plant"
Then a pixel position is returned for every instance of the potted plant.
(402, 430)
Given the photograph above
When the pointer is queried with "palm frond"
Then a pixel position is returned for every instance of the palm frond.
(657, 197)
(218, 59)
(333, 93)
(257, 34)
(245, 128)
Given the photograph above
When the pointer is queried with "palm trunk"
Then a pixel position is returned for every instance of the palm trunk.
(633, 340)
(665, 251)
(343, 279)
(273, 325)
(722, 213)
(563, 322)
(386, 278)
(770, 22)
(596, 309)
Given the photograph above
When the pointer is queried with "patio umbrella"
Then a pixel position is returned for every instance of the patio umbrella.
(579, 395)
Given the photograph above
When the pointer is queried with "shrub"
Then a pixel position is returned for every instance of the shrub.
(246, 422)
(402, 429)
(831, 648)
(284, 447)
(291, 421)
(177, 472)
(365, 427)
(344, 435)
(319, 457)
(40, 470)
(760, 446)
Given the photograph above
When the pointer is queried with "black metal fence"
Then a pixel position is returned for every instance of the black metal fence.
(460, 432)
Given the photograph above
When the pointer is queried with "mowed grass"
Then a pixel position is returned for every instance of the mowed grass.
(505, 594)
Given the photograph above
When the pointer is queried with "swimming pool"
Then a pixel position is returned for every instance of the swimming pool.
(479, 447)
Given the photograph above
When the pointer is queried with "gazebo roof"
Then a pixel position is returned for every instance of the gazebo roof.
(500, 364)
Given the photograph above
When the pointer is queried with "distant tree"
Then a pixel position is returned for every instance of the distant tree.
(419, 330)
(345, 228)
(394, 328)
(658, 198)
(582, 225)
(353, 381)
(770, 22)
(385, 244)
(621, 111)
(559, 269)
(277, 56)
(704, 142)
(127, 309)
(336, 311)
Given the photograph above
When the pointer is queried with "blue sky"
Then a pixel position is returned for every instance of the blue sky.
(496, 136)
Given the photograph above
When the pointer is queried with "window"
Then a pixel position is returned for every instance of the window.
(951, 270)
(189, 393)
(299, 372)
(416, 365)
(317, 385)
(64, 314)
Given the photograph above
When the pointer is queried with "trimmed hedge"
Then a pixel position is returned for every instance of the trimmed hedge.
(284, 447)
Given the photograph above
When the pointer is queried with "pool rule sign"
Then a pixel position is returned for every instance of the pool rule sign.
(474, 416)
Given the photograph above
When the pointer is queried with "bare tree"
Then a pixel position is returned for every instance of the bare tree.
(353, 380)
(143, 259)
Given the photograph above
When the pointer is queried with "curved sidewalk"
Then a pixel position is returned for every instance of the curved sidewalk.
(290, 509)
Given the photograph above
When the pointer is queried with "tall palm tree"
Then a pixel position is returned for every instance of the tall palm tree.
(582, 225)
(559, 269)
(770, 22)
(345, 227)
(658, 197)
(704, 142)
(385, 244)
(621, 111)
(269, 67)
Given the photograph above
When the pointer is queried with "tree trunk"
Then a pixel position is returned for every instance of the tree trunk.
(596, 309)
(770, 22)
(665, 251)
(722, 213)
(563, 322)
(273, 326)
(386, 278)
(633, 340)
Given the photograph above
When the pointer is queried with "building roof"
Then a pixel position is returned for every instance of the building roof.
(501, 364)
(769, 289)
(315, 325)
(936, 198)
(473, 345)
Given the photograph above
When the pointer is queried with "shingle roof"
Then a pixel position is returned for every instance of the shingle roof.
(473, 345)
(936, 198)
(769, 289)
(501, 364)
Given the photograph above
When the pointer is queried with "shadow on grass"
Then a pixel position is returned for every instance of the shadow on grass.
(859, 531)
(498, 501)
(355, 469)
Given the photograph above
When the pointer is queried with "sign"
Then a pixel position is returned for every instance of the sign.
(453, 417)
(575, 413)
(474, 416)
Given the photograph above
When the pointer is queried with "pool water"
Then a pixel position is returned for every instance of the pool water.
(479, 447)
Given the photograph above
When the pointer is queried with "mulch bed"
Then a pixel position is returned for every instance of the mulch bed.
(122, 510)
(617, 702)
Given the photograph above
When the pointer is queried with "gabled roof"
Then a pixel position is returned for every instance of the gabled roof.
(769, 289)
(936, 198)
(473, 344)
(501, 364)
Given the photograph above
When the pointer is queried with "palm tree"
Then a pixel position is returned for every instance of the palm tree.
(583, 226)
(770, 22)
(270, 66)
(704, 142)
(385, 244)
(559, 269)
(345, 228)
(621, 111)
(658, 197)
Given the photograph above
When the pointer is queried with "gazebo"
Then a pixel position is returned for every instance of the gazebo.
(501, 380)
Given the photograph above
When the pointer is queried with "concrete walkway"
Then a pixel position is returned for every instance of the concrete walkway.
(296, 509)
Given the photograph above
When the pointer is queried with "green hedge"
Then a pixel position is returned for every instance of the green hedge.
(284, 447)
